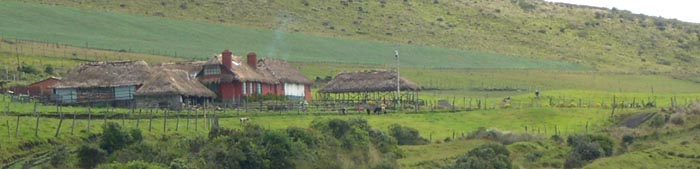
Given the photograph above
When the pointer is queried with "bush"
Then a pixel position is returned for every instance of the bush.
(49, 69)
(678, 118)
(114, 138)
(90, 155)
(58, 159)
(406, 135)
(585, 148)
(132, 165)
(485, 157)
(29, 69)
(627, 139)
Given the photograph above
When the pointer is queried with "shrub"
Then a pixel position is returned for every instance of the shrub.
(534, 156)
(59, 158)
(406, 135)
(90, 155)
(132, 165)
(678, 118)
(114, 138)
(627, 139)
(485, 157)
(49, 69)
(585, 148)
(29, 69)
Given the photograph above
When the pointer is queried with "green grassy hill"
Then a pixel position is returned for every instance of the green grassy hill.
(614, 40)
(103, 30)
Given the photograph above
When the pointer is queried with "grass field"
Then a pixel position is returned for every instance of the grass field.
(606, 39)
(155, 35)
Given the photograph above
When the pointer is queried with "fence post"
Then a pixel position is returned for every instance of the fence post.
(165, 122)
(150, 121)
(36, 130)
(89, 119)
(187, 120)
(177, 122)
(17, 126)
(196, 117)
(72, 126)
(9, 136)
(138, 119)
(60, 122)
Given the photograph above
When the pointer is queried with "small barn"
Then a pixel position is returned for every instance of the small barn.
(112, 83)
(42, 88)
(368, 85)
(291, 82)
(232, 78)
(172, 89)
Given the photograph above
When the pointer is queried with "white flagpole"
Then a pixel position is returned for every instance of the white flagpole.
(398, 79)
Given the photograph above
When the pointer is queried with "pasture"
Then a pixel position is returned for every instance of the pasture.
(160, 36)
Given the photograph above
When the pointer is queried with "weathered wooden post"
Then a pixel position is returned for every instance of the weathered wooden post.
(177, 121)
(187, 123)
(612, 114)
(60, 122)
(72, 126)
(36, 129)
(138, 119)
(150, 121)
(17, 127)
(165, 122)
(89, 118)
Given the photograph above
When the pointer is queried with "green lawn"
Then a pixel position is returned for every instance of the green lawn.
(156, 35)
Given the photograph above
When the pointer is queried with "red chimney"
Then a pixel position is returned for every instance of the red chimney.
(226, 58)
(253, 60)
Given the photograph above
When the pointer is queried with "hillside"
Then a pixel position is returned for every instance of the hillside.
(612, 40)
(159, 36)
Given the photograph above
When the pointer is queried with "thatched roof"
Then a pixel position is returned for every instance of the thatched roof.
(367, 81)
(240, 70)
(190, 67)
(283, 71)
(173, 82)
(106, 74)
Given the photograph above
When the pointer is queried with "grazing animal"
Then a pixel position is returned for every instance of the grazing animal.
(244, 120)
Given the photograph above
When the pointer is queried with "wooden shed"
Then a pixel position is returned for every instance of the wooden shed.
(291, 82)
(42, 88)
(112, 83)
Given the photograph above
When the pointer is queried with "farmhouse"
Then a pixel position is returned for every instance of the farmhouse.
(172, 89)
(37, 89)
(112, 83)
(292, 83)
(233, 79)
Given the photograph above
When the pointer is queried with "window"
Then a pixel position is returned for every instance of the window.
(244, 88)
(259, 88)
(212, 70)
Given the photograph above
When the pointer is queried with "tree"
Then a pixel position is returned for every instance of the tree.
(487, 156)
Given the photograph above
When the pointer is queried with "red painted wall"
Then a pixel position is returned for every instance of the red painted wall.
(307, 92)
(227, 91)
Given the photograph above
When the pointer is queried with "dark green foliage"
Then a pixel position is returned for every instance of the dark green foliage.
(90, 155)
(114, 138)
(385, 143)
(278, 150)
(180, 164)
(406, 135)
(136, 135)
(534, 156)
(488, 156)
(495, 135)
(298, 134)
(59, 158)
(627, 139)
(136, 164)
(49, 69)
(585, 148)
(30, 69)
